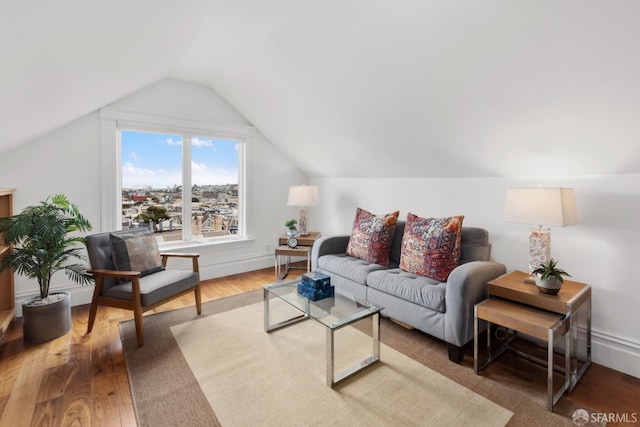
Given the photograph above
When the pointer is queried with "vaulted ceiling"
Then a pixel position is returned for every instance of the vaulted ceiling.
(363, 88)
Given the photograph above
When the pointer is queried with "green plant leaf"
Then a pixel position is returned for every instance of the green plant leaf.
(42, 241)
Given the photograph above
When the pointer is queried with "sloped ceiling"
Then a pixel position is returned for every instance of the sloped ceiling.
(353, 87)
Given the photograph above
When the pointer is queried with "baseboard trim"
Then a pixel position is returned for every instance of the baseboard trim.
(616, 353)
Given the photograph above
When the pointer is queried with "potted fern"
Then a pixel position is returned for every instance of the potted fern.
(549, 278)
(43, 244)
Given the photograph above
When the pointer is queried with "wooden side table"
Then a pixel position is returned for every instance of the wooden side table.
(521, 307)
(537, 323)
(302, 250)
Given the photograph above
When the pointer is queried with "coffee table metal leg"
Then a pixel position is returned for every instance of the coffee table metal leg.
(265, 297)
(330, 353)
(268, 327)
(376, 335)
(333, 379)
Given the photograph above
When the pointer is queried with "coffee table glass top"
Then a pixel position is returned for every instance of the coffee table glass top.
(334, 312)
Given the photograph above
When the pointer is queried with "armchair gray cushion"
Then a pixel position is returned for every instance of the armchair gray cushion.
(156, 287)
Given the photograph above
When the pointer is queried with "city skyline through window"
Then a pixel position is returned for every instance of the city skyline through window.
(169, 180)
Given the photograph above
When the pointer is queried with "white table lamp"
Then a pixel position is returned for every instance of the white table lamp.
(303, 196)
(544, 207)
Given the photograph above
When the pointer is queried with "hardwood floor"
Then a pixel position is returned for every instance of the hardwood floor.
(81, 380)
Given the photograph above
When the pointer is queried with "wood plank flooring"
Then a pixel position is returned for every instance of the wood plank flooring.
(81, 380)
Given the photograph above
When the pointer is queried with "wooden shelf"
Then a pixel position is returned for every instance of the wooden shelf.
(7, 294)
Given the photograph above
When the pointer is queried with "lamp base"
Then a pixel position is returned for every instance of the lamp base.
(539, 248)
(303, 221)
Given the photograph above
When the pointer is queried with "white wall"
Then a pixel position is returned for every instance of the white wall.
(68, 161)
(603, 250)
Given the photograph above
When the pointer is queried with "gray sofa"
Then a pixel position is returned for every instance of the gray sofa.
(441, 309)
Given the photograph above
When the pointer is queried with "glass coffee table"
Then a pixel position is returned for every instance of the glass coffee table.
(334, 313)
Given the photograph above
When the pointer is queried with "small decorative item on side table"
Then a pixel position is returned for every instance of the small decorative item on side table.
(292, 240)
(291, 226)
(548, 277)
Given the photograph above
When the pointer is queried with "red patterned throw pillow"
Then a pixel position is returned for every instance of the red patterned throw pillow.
(371, 236)
(431, 246)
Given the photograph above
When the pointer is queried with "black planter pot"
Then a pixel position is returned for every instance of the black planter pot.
(44, 322)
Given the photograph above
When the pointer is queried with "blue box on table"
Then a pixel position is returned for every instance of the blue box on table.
(315, 294)
(316, 280)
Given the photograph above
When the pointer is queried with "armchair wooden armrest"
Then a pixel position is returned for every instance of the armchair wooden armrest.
(176, 254)
(194, 259)
(115, 273)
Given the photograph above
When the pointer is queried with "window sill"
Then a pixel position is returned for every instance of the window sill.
(218, 244)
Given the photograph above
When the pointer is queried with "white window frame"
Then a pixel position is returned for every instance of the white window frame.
(113, 121)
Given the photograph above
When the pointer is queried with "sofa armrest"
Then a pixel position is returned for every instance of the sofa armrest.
(328, 245)
(466, 286)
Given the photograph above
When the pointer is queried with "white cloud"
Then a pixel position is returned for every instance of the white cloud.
(129, 169)
(133, 176)
(200, 143)
(198, 167)
(202, 175)
(172, 142)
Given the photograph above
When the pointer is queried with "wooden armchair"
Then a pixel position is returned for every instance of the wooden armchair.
(131, 273)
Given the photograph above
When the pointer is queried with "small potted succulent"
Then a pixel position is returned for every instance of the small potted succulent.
(549, 278)
(291, 225)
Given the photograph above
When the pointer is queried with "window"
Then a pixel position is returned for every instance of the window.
(184, 180)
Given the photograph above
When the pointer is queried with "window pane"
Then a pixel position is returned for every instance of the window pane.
(152, 185)
(214, 177)
(152, 182)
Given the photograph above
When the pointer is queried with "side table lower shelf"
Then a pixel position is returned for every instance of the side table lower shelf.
(286, 251)
(541, 324)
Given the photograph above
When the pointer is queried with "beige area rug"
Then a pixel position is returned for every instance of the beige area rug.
(166, 393)
(252, 378)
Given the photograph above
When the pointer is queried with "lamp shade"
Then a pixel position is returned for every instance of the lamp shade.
(303, 195)
(541, 206)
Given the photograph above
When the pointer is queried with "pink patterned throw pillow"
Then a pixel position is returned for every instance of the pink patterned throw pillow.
(431, 246)
(371, 236)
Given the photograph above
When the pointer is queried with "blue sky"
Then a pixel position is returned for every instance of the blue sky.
(155, 159)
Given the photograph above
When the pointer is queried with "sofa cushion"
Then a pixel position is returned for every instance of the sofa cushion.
(135, 251)
(420, 290)
(347, 266)
(431, 246)
(371, 236)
